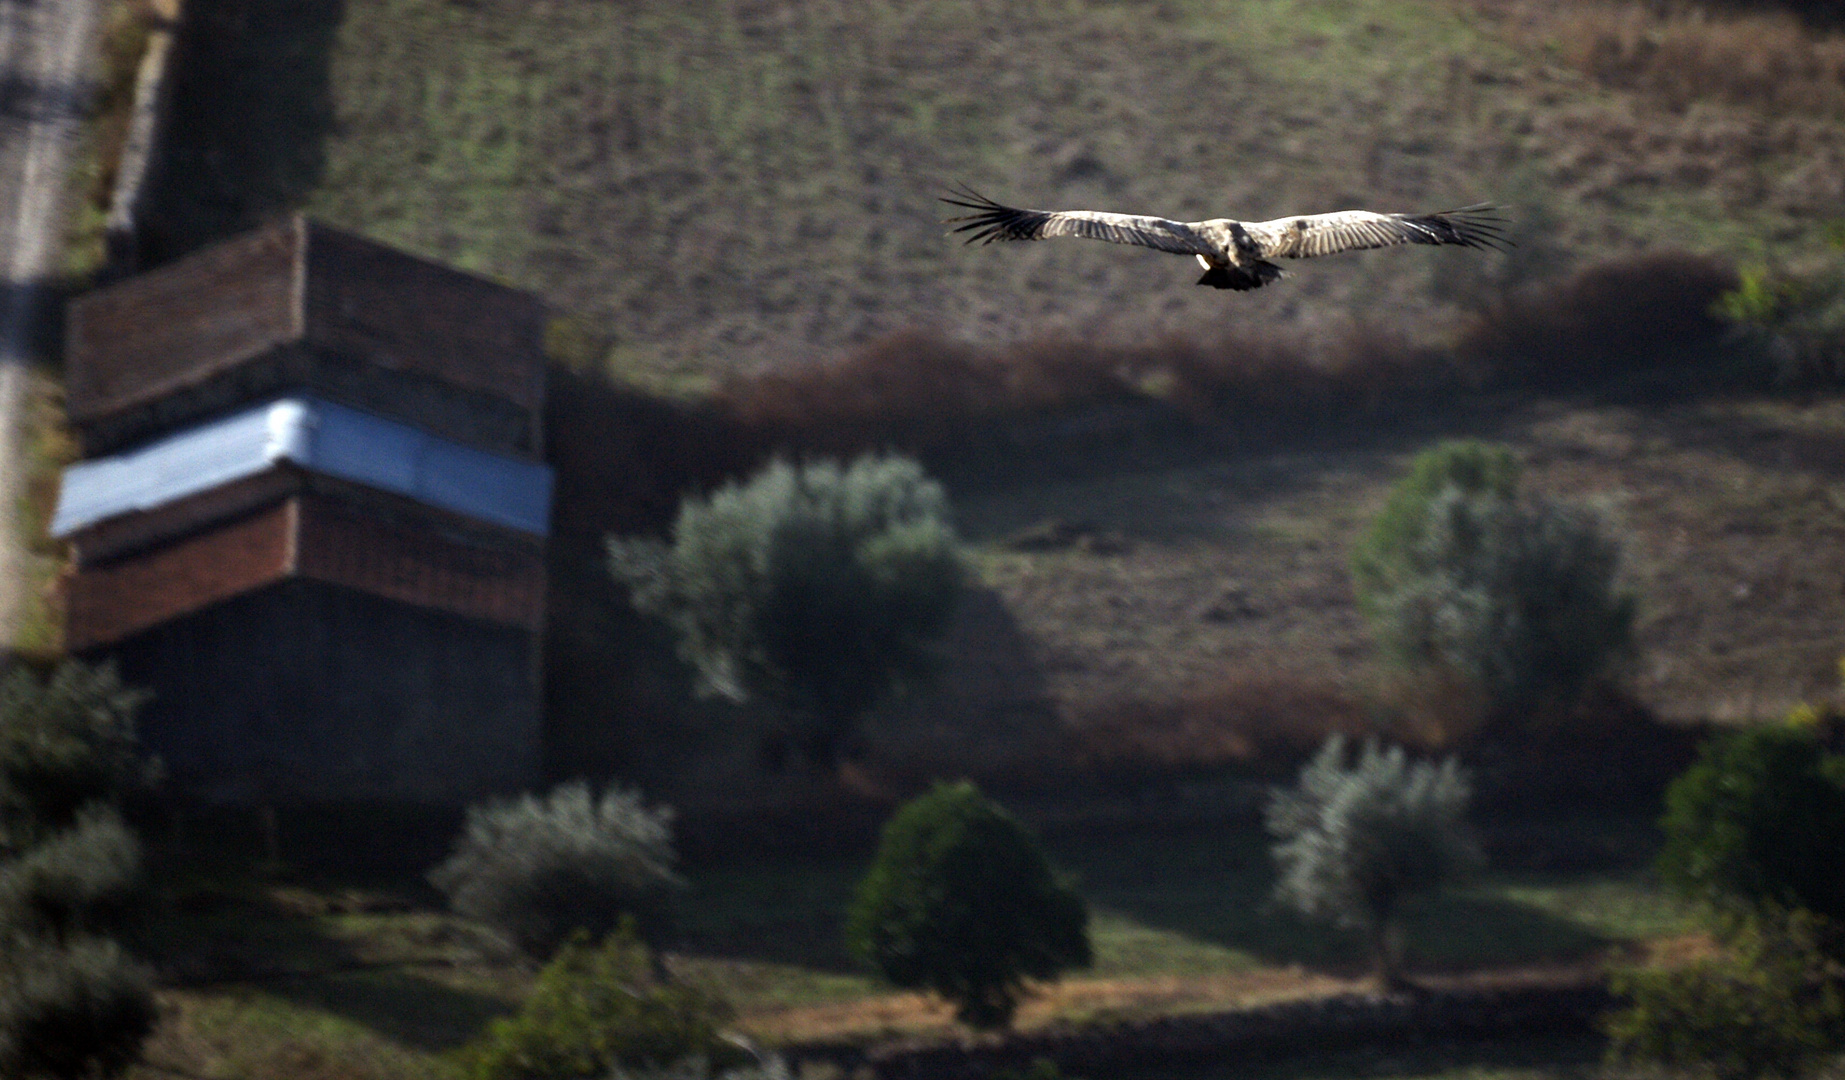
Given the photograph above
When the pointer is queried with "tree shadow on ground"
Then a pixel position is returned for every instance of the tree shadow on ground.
(786, 910)
(250, 107)
(1216, 887)
(400, 1004)
(1207, 885)
(987, 714)
(226, 922)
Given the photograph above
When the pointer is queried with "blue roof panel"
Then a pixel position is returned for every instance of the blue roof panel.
(317, 436)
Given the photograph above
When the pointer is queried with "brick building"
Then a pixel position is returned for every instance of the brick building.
(312, 518)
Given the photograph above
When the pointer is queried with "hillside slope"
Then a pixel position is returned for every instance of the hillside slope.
(719, 186)
(725, 184)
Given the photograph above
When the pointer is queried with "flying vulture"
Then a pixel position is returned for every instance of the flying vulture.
(1234, 254)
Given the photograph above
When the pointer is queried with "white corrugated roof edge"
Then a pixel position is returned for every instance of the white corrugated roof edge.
(320, 437)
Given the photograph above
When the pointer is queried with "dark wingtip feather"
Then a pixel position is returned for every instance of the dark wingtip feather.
(1477, 226)
(990, 220)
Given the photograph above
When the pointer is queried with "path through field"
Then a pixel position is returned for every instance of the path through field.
(46, 53)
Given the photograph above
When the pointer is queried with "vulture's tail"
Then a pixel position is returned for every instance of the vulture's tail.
(1242, 278)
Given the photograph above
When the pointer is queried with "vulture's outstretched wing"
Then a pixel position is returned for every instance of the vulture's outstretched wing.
(1355, 230)
(992, 221)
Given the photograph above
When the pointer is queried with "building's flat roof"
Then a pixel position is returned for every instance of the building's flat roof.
(317, 436)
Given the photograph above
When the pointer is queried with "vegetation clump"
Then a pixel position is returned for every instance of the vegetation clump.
(960, 900)
(66, 742)
(71, 1010)
(1354, 842)
(598, 1011)
(1756, 826)
(76, 881)
(1771, 1008)
(539, 870)
(1796, 321)
(818, 589)
(1755, 830)
(1513, 598)
(1381, 561)
(71, 1003)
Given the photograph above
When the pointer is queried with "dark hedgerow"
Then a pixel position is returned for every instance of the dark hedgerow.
(961, 901)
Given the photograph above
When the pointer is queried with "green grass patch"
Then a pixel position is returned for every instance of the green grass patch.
(242, 1032)
(350, 981)
(1174, 902)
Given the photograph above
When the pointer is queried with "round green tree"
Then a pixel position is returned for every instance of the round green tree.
(961, 901)
(1757, 824)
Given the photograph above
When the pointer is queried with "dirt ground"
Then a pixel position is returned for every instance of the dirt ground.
(1224, 583)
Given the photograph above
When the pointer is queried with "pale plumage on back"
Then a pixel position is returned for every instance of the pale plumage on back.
(1234, 254)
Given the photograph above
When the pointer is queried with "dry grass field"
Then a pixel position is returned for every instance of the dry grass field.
(732, 185)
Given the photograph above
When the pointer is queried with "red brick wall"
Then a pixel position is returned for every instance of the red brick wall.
(402, 313)
(108, 603)
(183, 323)
(417, 567)
(307, 536)
(238, 321)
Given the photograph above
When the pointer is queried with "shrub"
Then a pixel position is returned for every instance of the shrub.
(1771, 1009)
(65, 742)
(1637, 315)
(817, 589)
(961, 901)
(1757, 824)
(595, 1011)
(538, 870)
(76, 880)
(76, 1010)
(1795, 322)
(1354, 842)
(1514, 599)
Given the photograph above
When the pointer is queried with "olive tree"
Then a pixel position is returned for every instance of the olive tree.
(67, 741)
(817, 589)
(1514, 597)
(540, 869)
(1354, 841)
